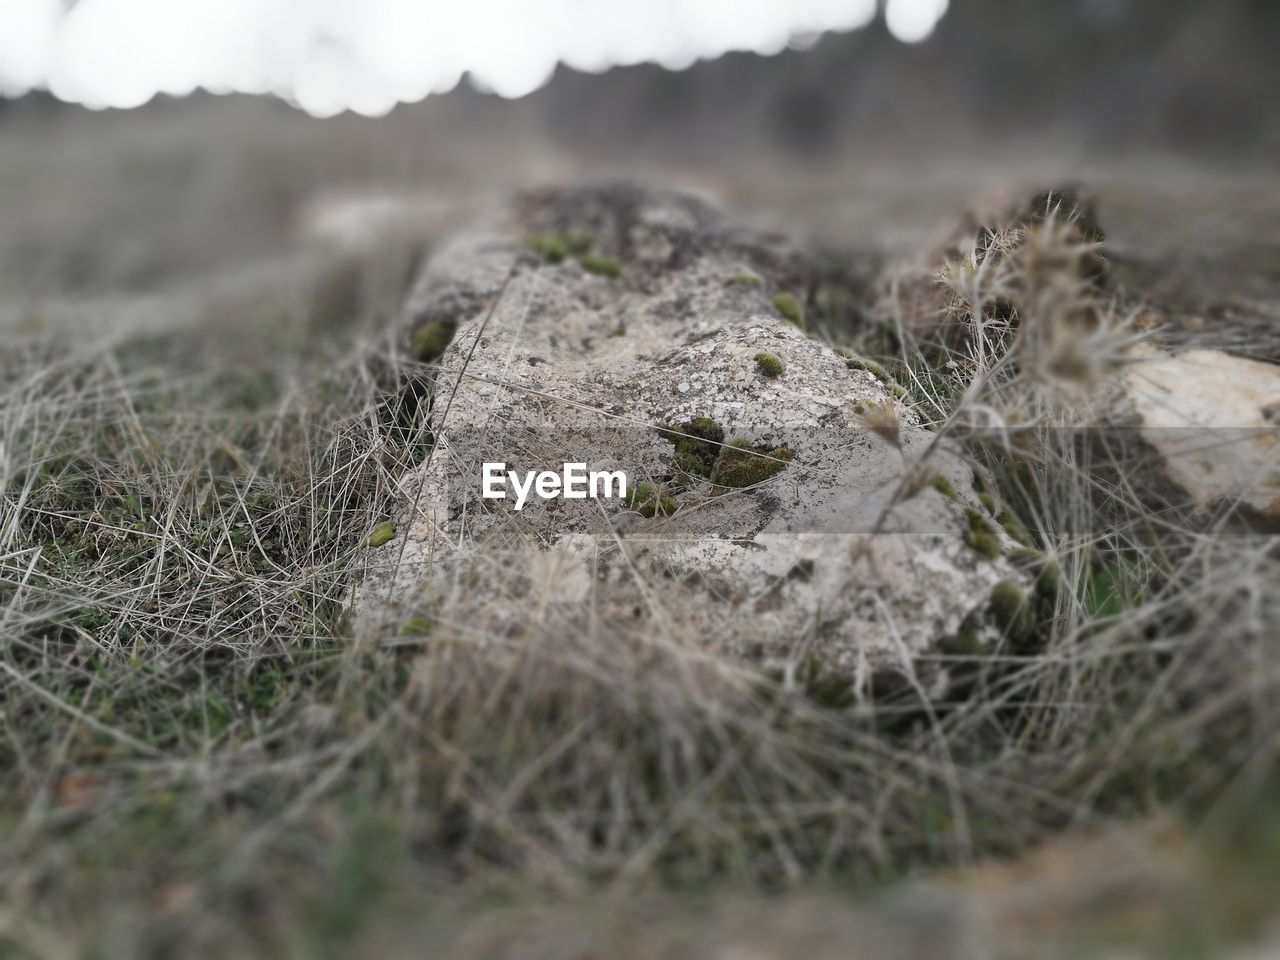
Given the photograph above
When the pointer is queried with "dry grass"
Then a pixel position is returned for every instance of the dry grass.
(199, 752)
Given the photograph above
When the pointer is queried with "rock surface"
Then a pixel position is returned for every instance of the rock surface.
(842, 550)
(1213, 420)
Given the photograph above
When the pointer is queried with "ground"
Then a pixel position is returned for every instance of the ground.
(201, 754)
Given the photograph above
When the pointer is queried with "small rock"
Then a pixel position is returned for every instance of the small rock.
(1206, 415)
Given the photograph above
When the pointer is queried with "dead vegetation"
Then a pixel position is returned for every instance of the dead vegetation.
(200, 754)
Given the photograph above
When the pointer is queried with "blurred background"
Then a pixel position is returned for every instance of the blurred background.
(251, 124)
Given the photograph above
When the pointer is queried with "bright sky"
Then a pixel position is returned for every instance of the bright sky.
(328, 56)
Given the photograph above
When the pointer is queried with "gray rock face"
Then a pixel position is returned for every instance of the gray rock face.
(819, 536)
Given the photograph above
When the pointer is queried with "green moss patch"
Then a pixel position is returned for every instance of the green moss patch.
(1012, 612)
(770, 364)
(697, 446)
(945, 487)
(1014, 528)
(431, 339)
(855, 362)
(981, 535)
(966, 642)
(649, 500)
(787, 305)
(702, 453)
(601, 265)
(741, 464)
(554, 247)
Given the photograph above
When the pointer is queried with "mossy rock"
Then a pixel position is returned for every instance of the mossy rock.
(770, 364)
(981, 535)
(431, 339)
(855, 362)
(742, 465)
(945, 487)
(649, 500)
(697, 444)
(663, 506)
(1012, 612)
(1047, 572)
(641, 493)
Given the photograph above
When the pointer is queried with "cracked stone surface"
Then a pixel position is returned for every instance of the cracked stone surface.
(847, 555)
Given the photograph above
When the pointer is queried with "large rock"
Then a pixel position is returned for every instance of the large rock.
(832, 540)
